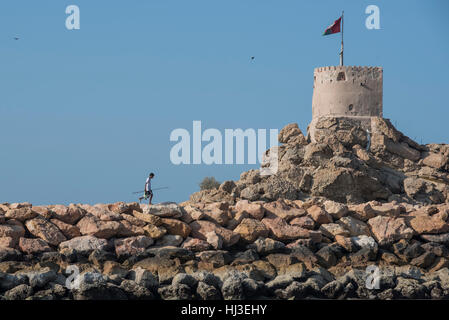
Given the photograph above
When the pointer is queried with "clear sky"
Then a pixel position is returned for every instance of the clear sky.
(87, 114)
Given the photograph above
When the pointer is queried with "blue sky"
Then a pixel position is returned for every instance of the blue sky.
(87, 114)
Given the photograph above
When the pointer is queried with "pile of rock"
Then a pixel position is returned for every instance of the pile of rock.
(346, 164)
(250, 249)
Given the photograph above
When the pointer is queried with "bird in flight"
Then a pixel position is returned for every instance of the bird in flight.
(16, 38)
(252, 58)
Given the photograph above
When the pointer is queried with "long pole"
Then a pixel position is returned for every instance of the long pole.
(341, 52)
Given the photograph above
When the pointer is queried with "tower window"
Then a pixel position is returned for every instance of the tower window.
(341, 76)
(350, 107)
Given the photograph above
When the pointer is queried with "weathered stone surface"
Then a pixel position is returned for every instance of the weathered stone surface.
(154, 232)
(266, 246)
(68, 230)
(163, 210)
(282, 210)
(217, 212)
(191, 213)
(149, 218)
(255, 210)
(435, 160)
(335, 209)
(304, 222)
(21, 214)
(319, 215)
(331, 230)
(174, 226)
(7, 242)
(363, 211)
(196, 245)
(71, 214)
(33, 246)
(422, 190)
(354, 226)
(169, 240)
(423, 223)
(201, 228)
(45, 230)
(438, 238)
(387, 230)
(13, 231)
(132, 246)
(133, 220)
(127, 229)
(284, 232)
(84, 244)
(89, 225)
(291, 134)
(251, 229)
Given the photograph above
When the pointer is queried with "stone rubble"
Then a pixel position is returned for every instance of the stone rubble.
(334, 209)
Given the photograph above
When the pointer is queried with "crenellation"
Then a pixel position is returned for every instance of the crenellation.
(348, 91)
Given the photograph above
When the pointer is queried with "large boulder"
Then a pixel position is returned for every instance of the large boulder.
(13, 231)
(89, 225)
(163, 210)
(45, 230)
(281, 209)
(71, 214)
(84, 245)
(33, 246)
(255, 210)
(282, 231)
(132, 246)
(251, 229)
(200, 229)
(387, 230)
(21, 214)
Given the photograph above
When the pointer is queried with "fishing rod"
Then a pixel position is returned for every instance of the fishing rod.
(161, 188)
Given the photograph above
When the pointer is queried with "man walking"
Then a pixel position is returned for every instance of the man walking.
(148, 191)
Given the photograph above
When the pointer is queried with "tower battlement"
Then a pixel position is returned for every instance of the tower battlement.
(354, 91)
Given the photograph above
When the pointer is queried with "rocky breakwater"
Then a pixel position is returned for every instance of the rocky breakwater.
(282, 249)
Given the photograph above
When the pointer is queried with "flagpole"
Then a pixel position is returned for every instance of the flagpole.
(341, 52)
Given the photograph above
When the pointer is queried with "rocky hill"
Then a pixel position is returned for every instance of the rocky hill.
(347, 201)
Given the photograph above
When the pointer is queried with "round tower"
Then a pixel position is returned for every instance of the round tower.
(347, 91)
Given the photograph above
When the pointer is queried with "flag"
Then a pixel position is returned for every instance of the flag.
(334, 28)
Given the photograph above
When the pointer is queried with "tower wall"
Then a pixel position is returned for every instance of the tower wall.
(347, 91)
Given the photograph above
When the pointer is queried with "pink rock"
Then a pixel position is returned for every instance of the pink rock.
(43, 211)
(70, 214)
(280, 209)
(33, 246)
(201, 228)
(196, 245)
(13, 231)
(284, 232)
(423, 223)
(255, 210)
(131, 246)
(68, 230)
(119, 207)
(127, 229)
(251, 229)
(387, 230)
(319, 215)
(45, 230)
(303, 222)
(22, 214)
(89, 225)
(7, 242)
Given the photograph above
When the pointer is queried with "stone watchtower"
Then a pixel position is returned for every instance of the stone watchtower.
(347, 91)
